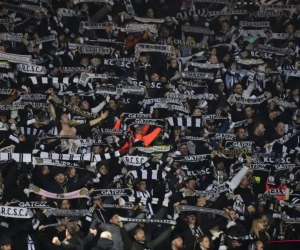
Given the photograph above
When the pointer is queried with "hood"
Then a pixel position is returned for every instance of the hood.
(104, 244)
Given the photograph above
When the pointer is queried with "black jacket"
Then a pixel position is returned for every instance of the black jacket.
(75, 243)
(104, 244)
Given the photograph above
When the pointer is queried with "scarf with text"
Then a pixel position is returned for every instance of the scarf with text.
(112, 192)
(120, 62)
(214, 192)
(67, 213)
(135, 220)
(89, 49)
(59, 224)
(170, 107)
(250, 101)
(244, 237)
(197, 30)
(125, 206)
(32, 69)
(188, 44)
(151, 122)
(62, 164)
(151, 149)
(191, 158)
(192, 75)
(192, 97)
(187, 208)
(15, 212)
(81, 193)
(33, 204)
(80, 157)
(146, 47)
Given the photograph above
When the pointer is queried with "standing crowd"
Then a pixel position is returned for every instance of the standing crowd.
(149, 124)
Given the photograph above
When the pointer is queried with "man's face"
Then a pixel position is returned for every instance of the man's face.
(3, 118)
(226, 58)
(221, 86)
(142, 186)
(96, 149)
(140, 235)
(184, 150)
(65, 205)
(245, 182)
(178, 243)
(85, 61)
(150, 13)
(191, 184)
(238, 89)
(115, 220)
(232, 215)
(201, 201)
(112, 105)
(249, 112)
(197, 112)
(213, 59)
(280, 128)
(220, 166)
(241, 133)
(103, 170)
(190, 219)
(261, 129)
(85, 105)
(74, 101)
(65, 119)
(225, 27)
(139, 130)
(60, 178)
(289, 29)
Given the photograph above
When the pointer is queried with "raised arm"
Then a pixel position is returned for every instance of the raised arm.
(127, 241)
(162, 237)
(99, 119)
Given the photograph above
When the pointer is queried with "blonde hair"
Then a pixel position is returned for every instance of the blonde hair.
(255, 229)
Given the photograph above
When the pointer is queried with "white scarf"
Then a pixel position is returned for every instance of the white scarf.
(15, 212)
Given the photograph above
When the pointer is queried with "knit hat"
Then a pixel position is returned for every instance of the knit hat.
(5, 241)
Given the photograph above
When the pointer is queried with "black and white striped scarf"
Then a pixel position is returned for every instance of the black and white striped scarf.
(195, 122)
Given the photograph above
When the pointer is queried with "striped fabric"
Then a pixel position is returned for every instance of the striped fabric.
(148, 174)
(49, 80)
(60, 83)
(198, 12)
(79, 157)
(184, 122)
(32, 131)
(142, 198)
(18, 157)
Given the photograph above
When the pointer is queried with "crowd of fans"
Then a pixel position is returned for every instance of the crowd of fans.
(149, 124)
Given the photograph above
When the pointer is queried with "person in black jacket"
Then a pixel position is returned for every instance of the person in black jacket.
(72, 241)
(61, 185)
(105, 242)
